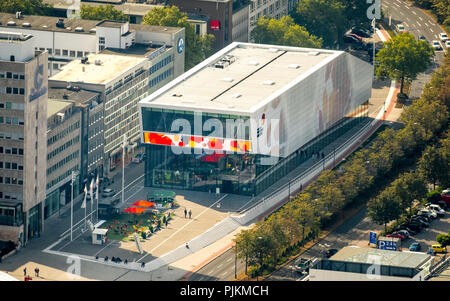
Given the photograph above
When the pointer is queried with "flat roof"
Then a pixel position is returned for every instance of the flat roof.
(80, 96)
(54, 106)
(38, 23)
(112, 66)
(142, 50)
(258, 72)
(389, 258)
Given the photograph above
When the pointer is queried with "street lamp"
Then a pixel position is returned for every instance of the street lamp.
(74, 175)
(123, 166)
(235, 262)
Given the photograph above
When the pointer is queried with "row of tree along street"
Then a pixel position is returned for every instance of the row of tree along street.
(274, 240)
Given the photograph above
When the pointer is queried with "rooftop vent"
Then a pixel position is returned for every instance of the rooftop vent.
(253, 63)
(229, 59)
(294, 66)
(313, 53)
(11, 23)
(79, 29)
(60, 23)
(26, 25)
(227, 79)
(269, 83)
(221, 64)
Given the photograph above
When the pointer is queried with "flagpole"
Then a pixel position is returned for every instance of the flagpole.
(71, 207)
(123, 167)
(98, 187)
(92, 199)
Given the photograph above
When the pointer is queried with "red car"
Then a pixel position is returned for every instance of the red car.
(446, 197)
(356, 36)
(396, 235)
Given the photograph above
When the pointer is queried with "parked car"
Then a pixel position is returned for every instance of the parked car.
(439, 249)
(107, 192)
(330, 252)
(360, 31)
(445, 195)
(421, 217)
(436, 45)
(447, 44)
(421, 221)
(396, 235)
(443, 36)
(422, 38)
(429, 213)
(405, 233)
(415, 226)
(415, 247)
(138, 158)
(348, 38)
(437, 209)
(401, 28)
(405, 228)
(304, 265)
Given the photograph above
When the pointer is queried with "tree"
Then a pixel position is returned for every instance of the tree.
(304, 215)
(27, 7)
(408, 187)
(102, 12)
(403, 58)
(198, 47)
(283, 32)
(243, 243)
(443, 239)
(323, 18)
(384, 208)
(432, 165)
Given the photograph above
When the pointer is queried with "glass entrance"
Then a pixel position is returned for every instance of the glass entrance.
(34, 221)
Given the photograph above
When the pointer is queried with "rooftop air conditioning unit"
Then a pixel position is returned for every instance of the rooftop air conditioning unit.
(221, 64)
(229, 58)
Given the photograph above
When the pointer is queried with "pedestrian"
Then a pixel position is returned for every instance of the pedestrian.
(36, 272)
(187, 246)
(166, 223)
(185, 212)
(25, 271)
(190, 213)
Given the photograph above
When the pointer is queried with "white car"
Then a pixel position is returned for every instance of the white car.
(401, 28)
(108, 192)
(447, 44)
(443, 36)
(436, 208)
(436, 45)
(429, 213)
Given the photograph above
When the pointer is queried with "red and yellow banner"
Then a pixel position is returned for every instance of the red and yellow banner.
(224, 144)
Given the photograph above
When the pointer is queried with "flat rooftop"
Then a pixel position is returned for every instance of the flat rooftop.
(47, 23)
(54, 106)
(389, 258)
(80, 96)
(258, 72)
(112, 66)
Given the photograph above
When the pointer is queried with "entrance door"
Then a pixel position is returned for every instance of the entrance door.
(34, 220)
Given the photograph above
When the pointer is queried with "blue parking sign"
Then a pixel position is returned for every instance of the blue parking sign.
(373, 238)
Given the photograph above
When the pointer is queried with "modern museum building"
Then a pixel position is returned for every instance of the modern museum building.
(250, 114)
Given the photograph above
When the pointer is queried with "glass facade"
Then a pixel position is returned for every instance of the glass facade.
(232, 173)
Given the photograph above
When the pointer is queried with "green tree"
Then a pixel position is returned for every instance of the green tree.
(384, 208)
(408, 187)
(243, 243)
(198, 47)
(304, 215)
(283, 32)
(443, 239)
(432, 165)
(27, 7)
(102, 12)
(403, 58)
(323, 18)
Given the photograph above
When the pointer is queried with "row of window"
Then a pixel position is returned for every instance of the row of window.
(160, 77)
(12, 106)
(12, 136)
(61, 177)
(11, 120)
(12, 75)
(12, 90)
(160, 64)
(11, 196)
(67, 159)
(95, 117)
(11, 181)
(11, 165)
(63, 133)
(11, 151)
(65, 52)
(63, 147)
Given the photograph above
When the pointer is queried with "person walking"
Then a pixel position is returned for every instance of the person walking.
(25, 271)
(185, 212)
(166, 222)
(36, 272)
(190, 213)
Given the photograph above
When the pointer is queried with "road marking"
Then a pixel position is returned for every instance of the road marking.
(210, 273)
(431, 30)
(229, 259)
(224, 273)
(402, 14)
(407, 7)
(426, 24)
(420, 19)
(414, 12)
(219, 266)
(419, 23)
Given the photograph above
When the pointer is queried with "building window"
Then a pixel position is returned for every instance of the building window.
(65, 52)
(8, 74)
(72, 53)
(79, 53)
(57, 51)
(8, 91)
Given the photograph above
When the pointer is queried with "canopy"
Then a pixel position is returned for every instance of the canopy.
(134, 210)
(143, 204)
(161, 194)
